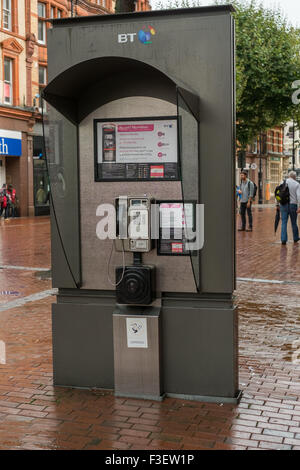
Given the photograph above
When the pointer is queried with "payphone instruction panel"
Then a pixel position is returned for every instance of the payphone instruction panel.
(135, 150)
(176, 218)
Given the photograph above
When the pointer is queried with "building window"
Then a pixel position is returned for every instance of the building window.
(253, 146)
(41, 23)
(59, 13)
(278, 142)
(8, 77)
(7, 14)
(52, 12)
(42, 84)
(272, 141)
(42, 75)
(275, 173)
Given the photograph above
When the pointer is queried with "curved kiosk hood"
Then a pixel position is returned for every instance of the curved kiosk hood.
(140, 144)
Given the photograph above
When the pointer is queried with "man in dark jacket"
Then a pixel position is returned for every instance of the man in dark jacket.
(246, 191)
(291, 209)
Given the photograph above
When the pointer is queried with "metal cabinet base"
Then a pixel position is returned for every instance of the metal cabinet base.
(198, 354)
(82, 345)
(137, 368)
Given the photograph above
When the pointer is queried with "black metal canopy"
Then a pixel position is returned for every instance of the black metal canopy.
(75, 92)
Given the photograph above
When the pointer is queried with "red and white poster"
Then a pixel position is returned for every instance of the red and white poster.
(177, 247)
(157, 171)
(141, 141)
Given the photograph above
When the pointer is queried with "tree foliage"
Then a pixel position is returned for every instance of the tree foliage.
(267, 64)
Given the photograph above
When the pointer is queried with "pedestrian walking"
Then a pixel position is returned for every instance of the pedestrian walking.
(8, 204)
(247, 195)
(288, 196)
(3, 201)
(12, 200)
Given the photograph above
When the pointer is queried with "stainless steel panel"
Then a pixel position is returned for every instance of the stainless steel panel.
(137, 370)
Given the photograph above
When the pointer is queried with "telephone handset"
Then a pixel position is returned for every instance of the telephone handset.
(133, 232)
(135, 284)
(121, 214)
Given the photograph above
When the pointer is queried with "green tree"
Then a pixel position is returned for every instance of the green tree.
(267, 64)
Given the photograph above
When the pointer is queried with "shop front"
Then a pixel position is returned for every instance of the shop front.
(23, 165)
(10, 153)
(16, 156)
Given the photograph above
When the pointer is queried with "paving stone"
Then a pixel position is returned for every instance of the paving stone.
(36, 415)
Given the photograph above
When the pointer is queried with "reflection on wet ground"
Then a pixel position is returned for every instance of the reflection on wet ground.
(36, 415)
(274, 312)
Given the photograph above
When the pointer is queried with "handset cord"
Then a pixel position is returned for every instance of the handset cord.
(115, 284)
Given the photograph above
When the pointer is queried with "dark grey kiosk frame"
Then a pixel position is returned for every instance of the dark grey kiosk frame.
(99, 69)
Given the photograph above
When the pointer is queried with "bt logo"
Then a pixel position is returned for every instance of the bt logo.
(126, 37)
(144, 36)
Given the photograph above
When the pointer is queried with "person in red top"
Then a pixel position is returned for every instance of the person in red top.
(3, 201)
(11, 200)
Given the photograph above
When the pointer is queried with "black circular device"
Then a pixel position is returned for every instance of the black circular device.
(134, 284)
(137, 285)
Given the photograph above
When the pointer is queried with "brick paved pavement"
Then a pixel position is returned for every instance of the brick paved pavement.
(35, 415)
(260, 253)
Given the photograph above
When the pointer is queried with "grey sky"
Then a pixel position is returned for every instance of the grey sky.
(290, 8)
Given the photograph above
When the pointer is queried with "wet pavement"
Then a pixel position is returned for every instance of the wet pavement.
(260, 253)
(36, 415)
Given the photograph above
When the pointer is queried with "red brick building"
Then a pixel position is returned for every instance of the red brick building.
(266, 156)
(23, 75)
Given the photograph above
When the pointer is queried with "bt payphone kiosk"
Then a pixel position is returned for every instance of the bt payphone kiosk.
(142, 134)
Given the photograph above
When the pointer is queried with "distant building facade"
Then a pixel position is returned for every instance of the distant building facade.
(23, 75)
(291, 146)
(267, 162)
